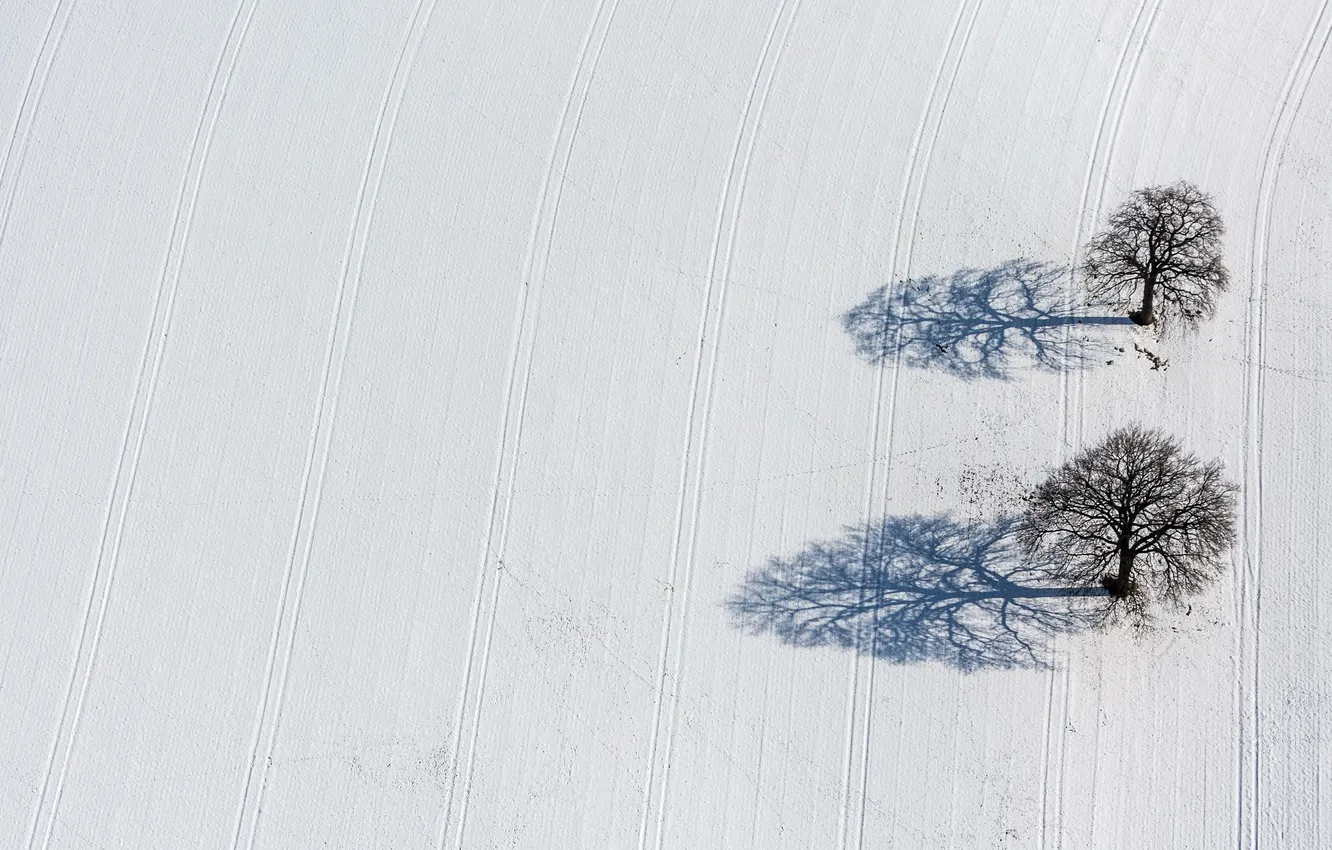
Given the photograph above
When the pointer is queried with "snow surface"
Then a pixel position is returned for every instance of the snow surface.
(429, 424)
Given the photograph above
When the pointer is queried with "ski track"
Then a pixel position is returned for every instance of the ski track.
(1054, 744)
(521, 350)
(863, 659)
(321, 434)
(1248, 778)
(17, 148)
(127, 464)
(659, 753)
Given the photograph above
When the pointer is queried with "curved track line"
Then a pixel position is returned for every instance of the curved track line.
(1096, 157)
(17, 148)
(718, 278)
(664, 665)
(1113, 140)
(1060, 680)
(918, 163)
(1119, 110)
(522, 350)
(353, 266)
(150, 368)
(871, 473)
(1250, 578)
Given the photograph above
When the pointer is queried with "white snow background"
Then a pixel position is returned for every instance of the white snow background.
(432, 424)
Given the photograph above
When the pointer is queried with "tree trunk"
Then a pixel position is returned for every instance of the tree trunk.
(1146, 315)
(1119, 584)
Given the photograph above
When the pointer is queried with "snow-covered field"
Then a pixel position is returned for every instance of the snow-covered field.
(447, 425)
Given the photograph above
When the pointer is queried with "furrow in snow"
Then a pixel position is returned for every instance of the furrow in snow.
(1059, 695)
(1249, 578)
(1084, 222)
(654, 779)
(93, 621)
(860, 705)
(871, 473)
(33, 90)
(281, 645)
(511, 420)
(718, 278)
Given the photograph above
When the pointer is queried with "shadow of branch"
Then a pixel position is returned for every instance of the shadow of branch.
(913, 589)
(978, 323)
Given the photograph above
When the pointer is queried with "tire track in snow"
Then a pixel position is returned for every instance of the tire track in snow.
(1105, 160)
(136, 425)
(661, 742)
(1059, 692)
(521, 353)
(859, 709)
(1248, 778)
(287, 620)
(33, 89)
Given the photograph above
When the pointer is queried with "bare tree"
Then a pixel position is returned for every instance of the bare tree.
(1167, 240)
(1135, 512)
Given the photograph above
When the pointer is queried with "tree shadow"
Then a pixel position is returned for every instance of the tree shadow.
(979, 323)
(917, 588)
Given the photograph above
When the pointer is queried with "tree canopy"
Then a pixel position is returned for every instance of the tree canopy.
(1166, 241)
(1135, 512)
